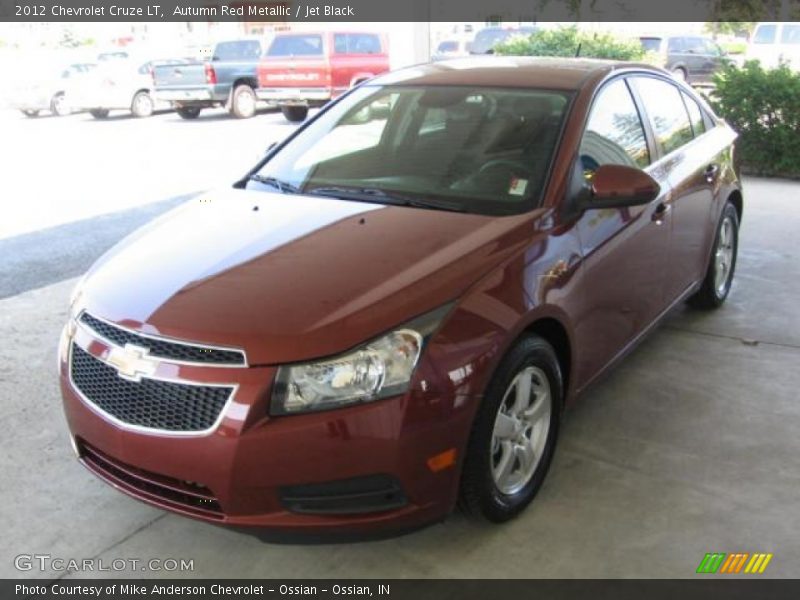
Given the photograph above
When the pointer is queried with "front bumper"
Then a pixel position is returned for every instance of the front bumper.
(356, 469)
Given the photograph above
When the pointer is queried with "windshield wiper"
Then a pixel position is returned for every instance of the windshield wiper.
(284, 186)
(368, 194)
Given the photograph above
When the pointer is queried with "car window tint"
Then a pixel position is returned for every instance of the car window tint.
(363, 43)
(790, 34)
(340, 43)
(666, 111)
(765, 34)
(614, 133)
(296, 45)
(695, 115)
(675, 45)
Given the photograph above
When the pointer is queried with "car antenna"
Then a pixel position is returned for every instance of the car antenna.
(578, 51)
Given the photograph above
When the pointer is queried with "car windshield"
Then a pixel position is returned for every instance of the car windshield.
(474, 149)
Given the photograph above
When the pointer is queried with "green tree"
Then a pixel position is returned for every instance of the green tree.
(569, 41)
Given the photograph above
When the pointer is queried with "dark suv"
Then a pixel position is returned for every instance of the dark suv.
(690, 58)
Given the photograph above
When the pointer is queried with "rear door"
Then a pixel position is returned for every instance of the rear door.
(296, 60)
(624, 249)
(689, 162)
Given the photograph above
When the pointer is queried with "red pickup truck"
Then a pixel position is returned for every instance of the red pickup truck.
(300, 70)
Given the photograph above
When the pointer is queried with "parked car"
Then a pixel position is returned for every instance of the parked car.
(773, 43)
(450, 49)
(487, 38)
(392, 309)
(301, 70)
(229, 79)
(121, 84)
(44, 88)
(690, 58)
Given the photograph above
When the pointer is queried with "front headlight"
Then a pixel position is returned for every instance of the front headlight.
(379, 369)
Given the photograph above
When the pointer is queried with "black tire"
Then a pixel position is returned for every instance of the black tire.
(711, 294)
(295, 114)
(243, 102)
(188, 112)
(680, 74)
(479, 493)
(31, 114)
(58, 105)
(142, 105)
(99, 113)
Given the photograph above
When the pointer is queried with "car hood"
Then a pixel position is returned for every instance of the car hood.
(292, 277)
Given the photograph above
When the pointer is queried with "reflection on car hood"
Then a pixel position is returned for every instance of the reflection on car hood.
(291, 277)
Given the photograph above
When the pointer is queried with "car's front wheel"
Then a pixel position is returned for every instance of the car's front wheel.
(717, 283)
(142, 105)
(515, 433)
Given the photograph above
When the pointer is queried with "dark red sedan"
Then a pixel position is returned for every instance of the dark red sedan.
(390, 312)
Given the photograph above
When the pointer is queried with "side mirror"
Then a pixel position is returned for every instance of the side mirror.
(617, 186)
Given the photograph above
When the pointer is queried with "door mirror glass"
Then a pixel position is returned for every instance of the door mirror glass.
(617, 186)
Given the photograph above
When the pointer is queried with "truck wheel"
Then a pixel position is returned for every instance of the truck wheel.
(295, 114)
(58, 105)
(142, 105)
(99, 113)
(188, 112)
(243, 102)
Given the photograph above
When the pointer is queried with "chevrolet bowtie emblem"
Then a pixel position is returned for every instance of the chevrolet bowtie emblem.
(131, 362)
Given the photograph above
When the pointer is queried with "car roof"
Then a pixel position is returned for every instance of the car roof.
(508, 71)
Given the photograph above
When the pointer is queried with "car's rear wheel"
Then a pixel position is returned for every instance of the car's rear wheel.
(188, 112)
(515, 433)
(295, 114)
(30, 113)
(719, 277)
(58, 105)
(679, 73)
(99, 113)
(243, 102)
(142, 105)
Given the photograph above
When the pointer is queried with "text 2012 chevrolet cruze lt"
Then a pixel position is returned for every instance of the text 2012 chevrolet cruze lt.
(389, 313)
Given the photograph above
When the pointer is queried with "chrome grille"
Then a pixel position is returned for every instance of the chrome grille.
(148, 403)
(162, 348)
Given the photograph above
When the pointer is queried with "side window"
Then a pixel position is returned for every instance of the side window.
(675, 45)
(666, 111)
(363, 43)
(790, 34)
(340, 43)
(695, 115)
(614, 133)
(765, 34)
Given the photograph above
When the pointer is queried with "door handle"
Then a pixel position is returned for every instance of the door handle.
(661, 211)
(711, 172)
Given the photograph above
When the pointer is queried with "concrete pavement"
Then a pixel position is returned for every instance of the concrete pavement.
(689, 446)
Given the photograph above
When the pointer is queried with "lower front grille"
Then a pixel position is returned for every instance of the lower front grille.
(185, 496)
(148, 403)
(369, 494)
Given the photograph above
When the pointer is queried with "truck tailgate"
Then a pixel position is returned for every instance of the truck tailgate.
(179, 76)
(292, 72)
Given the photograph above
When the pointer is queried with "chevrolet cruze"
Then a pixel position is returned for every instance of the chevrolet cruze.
(387, 316)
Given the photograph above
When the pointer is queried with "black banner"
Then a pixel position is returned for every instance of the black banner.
(490, 11)
(703, 587)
